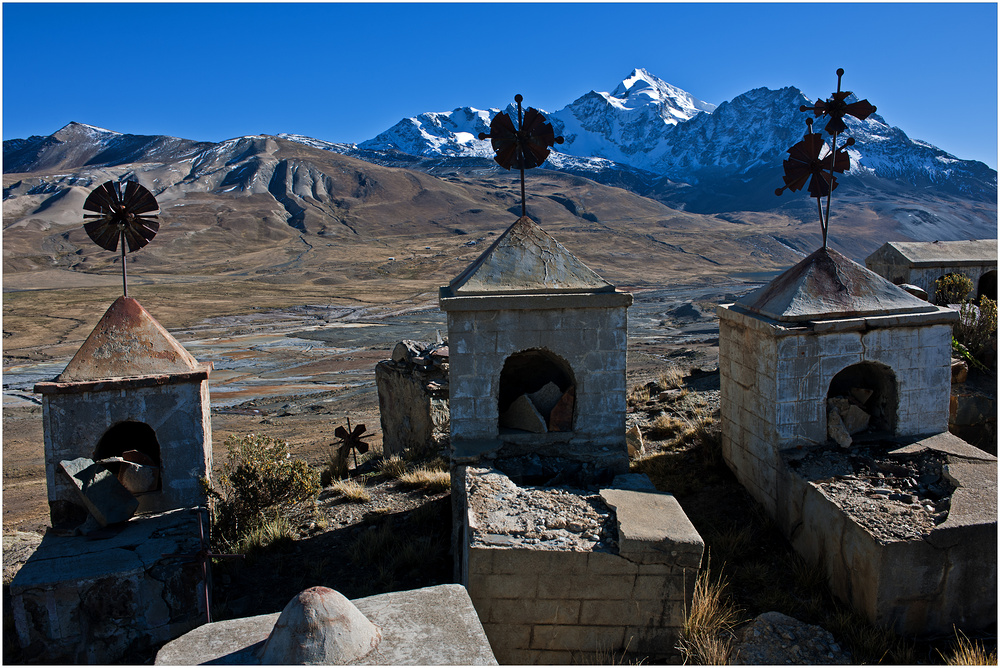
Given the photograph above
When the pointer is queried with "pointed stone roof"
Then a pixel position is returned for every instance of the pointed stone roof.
(126, 343)
(828, 285)
(525, 260)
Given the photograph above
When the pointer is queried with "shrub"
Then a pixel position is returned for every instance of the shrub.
(638, 396)
(275, 532)
(706, 636)
(258, 479)
(977, 325)
(392, 467)
(965, 652)
(952, 289)
(671, 379)
(667, 426)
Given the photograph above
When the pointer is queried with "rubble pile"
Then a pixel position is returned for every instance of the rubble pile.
(551, 518)
(428, 361)
(413, 396)
(547, 409)
(849, 414)
(773, 638)
(895, 497)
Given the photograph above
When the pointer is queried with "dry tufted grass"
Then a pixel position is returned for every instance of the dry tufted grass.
(352, 490)
(424, 477)
(706, 637)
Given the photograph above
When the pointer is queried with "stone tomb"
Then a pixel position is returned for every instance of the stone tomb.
(829, 348)
(921, 263)
(130, 394)
(531, 327)
(100, 598)
(537, 345)
(413, 397)
(131, 386)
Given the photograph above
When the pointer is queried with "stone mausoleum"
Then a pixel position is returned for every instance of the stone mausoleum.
(826, 344)
(564, 555)
(128, 441)
(921, 263)
(528, 317)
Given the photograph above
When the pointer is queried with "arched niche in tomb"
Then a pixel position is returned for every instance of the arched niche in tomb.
(987, 285)
(536, 392)
(126, 438)
(872, 387)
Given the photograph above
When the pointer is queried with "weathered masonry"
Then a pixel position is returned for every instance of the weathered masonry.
(528, 316)
(127, 432)
(827, 343)
(131, 386)
(537, 345)
(921, 263)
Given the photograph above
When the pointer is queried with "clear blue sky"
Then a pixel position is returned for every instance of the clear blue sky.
(345, 72)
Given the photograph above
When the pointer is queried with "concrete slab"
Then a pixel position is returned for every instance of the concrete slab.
(431, 626)
(653, 528)
(99, 491)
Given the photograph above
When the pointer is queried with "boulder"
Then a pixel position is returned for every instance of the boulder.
(835, 428)
(633, 439)
(546, 398)
(561, 417)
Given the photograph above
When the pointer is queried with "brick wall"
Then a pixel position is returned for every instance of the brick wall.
(541, 606)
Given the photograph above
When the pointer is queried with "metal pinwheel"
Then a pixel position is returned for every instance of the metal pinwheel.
(350, 439)
(121, 217)
(807, 160)
(523, 146)
(837, 107)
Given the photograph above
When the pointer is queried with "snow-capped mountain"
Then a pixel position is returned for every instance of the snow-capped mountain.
(628, 125)
(625, 126)
(648, 125)
(645, 136)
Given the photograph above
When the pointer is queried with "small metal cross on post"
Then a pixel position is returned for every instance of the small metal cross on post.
(804, 159)
(203, 556)
(524, 146)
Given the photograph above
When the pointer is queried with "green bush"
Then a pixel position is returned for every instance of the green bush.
(976, 325)
(952, 289)
(258, 480)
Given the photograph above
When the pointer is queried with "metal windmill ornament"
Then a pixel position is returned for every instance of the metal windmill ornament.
(812, 160)
(351, 440)
(523, 146)
(121, 217)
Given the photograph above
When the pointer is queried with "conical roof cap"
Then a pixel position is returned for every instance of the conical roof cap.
(319, 626)
(126, 343)
(828, 285)
(525, 259)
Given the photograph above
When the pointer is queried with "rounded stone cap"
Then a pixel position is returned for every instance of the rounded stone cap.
(320, 626)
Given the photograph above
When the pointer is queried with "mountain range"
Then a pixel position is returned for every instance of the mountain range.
(646, 161)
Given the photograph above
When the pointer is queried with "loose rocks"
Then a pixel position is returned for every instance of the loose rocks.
(774, 639)
(550, 518)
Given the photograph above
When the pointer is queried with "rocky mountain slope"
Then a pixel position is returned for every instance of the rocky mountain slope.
(651, 184)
